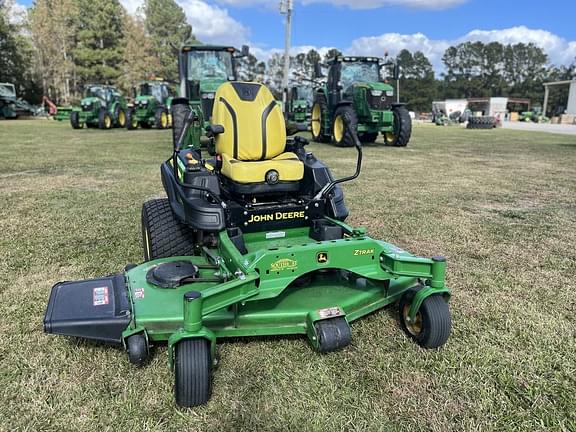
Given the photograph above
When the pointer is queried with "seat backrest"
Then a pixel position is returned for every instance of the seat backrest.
(254, 127)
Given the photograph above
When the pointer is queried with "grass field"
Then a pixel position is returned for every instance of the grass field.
(500, 205)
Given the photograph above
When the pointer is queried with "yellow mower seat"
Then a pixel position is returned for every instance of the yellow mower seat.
(254, 139)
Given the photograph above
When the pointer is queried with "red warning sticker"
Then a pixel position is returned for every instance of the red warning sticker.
(100, 296)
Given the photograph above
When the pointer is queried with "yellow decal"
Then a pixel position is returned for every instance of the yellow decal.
(276, 216)
(284, 264)
(363, 251)
(322, 257)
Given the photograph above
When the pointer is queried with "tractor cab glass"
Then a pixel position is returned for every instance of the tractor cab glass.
(102, 93)
(7, 90)
(205, 65)
(302, 93)
(353, 72)
(158, 91)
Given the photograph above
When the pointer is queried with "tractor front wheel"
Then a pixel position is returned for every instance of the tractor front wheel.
(192, 372)
(163, 235)
(161, 118)
(431, 326)
(402, 128)
(120, 117)
(131, 120)
(344, 126)
(104, 119)
(75, 120)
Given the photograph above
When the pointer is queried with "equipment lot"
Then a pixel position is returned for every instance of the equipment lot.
(500, 204)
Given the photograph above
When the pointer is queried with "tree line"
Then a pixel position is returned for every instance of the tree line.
(61, 45)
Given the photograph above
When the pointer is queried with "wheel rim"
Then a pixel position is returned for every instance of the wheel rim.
(122, 119)
(164, 120)
(316, 118)
(169, 120)
(413, 327)
(107, 122)
(338, 128)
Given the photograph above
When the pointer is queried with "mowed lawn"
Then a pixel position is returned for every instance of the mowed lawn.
(500, 205)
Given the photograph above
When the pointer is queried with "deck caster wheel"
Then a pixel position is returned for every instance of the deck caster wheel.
(137, 348)
(192, 372)
(432, 324)
(333, 334)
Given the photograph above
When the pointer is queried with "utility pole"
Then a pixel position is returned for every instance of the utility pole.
(286, 7)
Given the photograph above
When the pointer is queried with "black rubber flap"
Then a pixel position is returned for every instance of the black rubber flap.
(96, 309)
(172, 274)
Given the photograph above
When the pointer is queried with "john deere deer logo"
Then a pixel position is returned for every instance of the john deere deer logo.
(322, 257)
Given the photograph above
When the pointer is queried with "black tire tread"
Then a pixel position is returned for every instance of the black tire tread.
(404, 130)
(168, 236)
(180, 111)
(333, 334)
(192, 372)
(350, 128)
(325, 136)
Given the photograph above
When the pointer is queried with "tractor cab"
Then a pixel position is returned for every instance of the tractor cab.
(203, 68)
(159, 90)
(151, 108)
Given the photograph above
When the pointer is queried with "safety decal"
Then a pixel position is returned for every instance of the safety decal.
(138, 293)
(100, 296)
(330, 312)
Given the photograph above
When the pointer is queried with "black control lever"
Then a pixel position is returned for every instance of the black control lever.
(328, 188)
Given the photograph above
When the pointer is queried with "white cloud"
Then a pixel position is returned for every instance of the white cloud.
(359, 4)
(210, 23)
(559, 50)
(16, 12)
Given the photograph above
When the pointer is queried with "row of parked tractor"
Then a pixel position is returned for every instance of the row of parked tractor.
(346, 86)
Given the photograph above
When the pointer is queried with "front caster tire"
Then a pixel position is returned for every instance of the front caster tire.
(333, 334)
(163, 235)
(432, 324)
(137, 349)
(192, 372)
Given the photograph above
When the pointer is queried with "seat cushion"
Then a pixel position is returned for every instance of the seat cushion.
(288, 166)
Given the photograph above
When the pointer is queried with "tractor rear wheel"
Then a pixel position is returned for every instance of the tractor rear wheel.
(162, 234)
(104, 119)
(432, 324)
(192, 372)
(180, 111)
(344, 126)
(319, 113)
(161, 118)
(402, 128)
(75, 120)
(131, 120)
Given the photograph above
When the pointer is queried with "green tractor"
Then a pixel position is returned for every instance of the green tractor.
(202, 69)
(534, 116)
(300, 105)
(355, 90)
(152, 103)
(251, 240)
(102, 106)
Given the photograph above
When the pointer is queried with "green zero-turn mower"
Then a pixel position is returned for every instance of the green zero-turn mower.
(102, 106)
(354, 89)
(152, 103)
(251, 240)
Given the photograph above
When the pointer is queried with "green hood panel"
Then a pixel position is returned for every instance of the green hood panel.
(375, 86)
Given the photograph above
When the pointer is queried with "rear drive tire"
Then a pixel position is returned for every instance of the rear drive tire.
(75, 120)
(432, 325)
(192, 372)
(343, 131)
(163, 235)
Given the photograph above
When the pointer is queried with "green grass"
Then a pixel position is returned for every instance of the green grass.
(501, 205)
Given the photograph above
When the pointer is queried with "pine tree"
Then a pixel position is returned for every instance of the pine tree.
(167, 26)
(139, 61)
(99, 49)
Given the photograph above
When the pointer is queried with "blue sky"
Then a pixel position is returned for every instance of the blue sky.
(371, 27)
